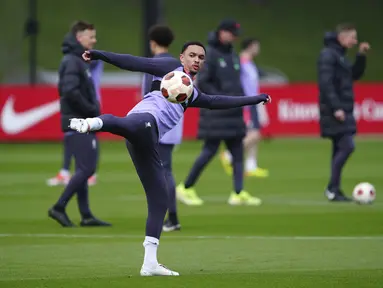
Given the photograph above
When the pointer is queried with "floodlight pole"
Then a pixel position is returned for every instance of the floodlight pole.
(31, 31)
(152, 13)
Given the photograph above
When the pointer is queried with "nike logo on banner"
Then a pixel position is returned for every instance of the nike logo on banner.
(13, 122)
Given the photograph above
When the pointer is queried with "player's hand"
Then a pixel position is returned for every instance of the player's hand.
(267, 99)
(86, 56)
(364, 47)
(340, 115)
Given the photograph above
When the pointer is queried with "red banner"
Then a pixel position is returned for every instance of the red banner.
(294, 110)
(32, 113)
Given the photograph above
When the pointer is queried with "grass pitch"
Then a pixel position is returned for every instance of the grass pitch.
(295, 239)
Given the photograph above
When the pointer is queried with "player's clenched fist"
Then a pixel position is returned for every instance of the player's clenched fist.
(267, 99)
(86, 56)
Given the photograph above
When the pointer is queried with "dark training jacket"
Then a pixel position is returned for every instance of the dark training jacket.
(220, 75)
(76, 89)
(335, 80)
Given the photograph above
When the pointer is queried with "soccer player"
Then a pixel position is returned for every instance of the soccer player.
(161, 37)
(63, 176)
(336, 75)
(220, 75)
(146, 123)
(78, 99)
(250, 83)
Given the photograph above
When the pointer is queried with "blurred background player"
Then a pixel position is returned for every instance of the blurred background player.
(161, 37)
(63, 176)
(78, 99)
(221, 75)
(250, 84)
(336, 100)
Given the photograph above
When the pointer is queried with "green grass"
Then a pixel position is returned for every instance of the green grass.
(295, 239)
(291, 32)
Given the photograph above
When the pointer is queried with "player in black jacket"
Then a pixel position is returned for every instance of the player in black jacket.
(220, 75)
(78, 99)
(336, 75)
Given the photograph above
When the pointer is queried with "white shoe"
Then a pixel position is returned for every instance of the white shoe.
(92, 180)
(59, 179)
(159, 270)
(80, 125)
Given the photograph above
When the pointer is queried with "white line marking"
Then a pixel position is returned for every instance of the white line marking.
(202, 237)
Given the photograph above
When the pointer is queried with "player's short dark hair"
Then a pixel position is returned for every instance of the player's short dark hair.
(190, 43)
(246, 43)
(162, 35)
(344, 27)
(80, 26)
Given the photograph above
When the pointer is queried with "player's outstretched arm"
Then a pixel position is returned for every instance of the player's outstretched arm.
(226, 102)
(154, 66)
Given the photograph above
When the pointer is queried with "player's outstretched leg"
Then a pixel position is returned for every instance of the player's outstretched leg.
(121, 126)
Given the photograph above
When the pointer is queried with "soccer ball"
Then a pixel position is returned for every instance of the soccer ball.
(176, 87)
(364, 193)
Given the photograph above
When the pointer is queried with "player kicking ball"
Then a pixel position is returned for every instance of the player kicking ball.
(150, 119)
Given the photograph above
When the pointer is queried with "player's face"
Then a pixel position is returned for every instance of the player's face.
(87, 38)
(348, 39)
(193, 58)
(227, 37)
(255, 48)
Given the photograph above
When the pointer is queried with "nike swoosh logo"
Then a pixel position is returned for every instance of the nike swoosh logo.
(14, 122)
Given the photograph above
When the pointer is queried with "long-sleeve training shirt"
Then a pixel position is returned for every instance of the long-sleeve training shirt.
(174, 136)
(168, 114)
